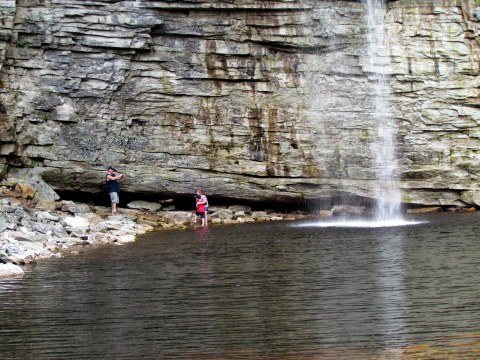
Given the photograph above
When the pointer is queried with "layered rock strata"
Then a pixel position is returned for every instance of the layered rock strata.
(254, 100)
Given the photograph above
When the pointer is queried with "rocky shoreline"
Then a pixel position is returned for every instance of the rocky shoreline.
(35, 224)
(32, 229)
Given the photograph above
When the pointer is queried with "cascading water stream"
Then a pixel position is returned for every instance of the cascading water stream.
(388, 208)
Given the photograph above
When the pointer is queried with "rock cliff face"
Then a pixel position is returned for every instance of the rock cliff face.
(255, 100)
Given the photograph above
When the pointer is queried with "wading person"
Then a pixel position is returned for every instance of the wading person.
(113, 186)
(204, 198)
(200, 203)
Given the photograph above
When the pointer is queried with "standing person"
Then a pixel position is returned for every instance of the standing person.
(204, 198)
(112, 179)
(200, 205)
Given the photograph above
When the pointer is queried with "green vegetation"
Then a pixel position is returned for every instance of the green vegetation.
(406, 198)
(366, 136)
(16, 95)
(452, 155)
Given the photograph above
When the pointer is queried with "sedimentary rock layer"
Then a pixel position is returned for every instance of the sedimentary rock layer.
(255, 100)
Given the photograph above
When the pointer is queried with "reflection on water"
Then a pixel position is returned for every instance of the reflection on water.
(257, 291)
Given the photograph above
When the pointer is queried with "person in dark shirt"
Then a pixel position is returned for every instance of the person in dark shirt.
(112, 178)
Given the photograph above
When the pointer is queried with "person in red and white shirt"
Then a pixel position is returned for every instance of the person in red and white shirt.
(201, 203)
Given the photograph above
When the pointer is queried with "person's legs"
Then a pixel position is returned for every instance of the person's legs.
(114, 199)
(202, 216)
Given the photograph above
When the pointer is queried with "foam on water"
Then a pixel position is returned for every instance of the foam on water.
(363, 223)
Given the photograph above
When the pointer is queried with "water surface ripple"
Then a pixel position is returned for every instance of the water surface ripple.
(257, 291)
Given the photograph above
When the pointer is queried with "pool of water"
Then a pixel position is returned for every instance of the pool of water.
(283, 290)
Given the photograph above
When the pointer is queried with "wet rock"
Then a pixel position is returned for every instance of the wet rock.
(325, 213)
(424, 210)
(149, 219)
(350, 210)
(123, 239)
(10, 270)
(177, 217)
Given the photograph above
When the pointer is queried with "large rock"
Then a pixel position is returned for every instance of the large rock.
(10, 270)
(31, 186)
(76, 208)
(253, 100)
(144, 205)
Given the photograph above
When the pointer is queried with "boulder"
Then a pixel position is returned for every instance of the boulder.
(76, 208)
(46, 216)
(144, 205)
(123, 239)
(76, 223)
(177, 217)
(25, 190)
(31, 185)
(350, 210)
(238, 208)
(239, 214)
(260, 215)
(47, 205)
(10, 270)
(325, 213)
(221, 213)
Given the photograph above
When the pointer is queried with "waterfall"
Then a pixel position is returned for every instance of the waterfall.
(388, 205)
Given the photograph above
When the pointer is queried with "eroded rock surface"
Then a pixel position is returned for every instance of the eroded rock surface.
(254, 100)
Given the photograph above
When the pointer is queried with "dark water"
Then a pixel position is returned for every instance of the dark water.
(258, 291)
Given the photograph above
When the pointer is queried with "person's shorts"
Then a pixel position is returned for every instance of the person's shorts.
(114, 197)
(201, 214)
